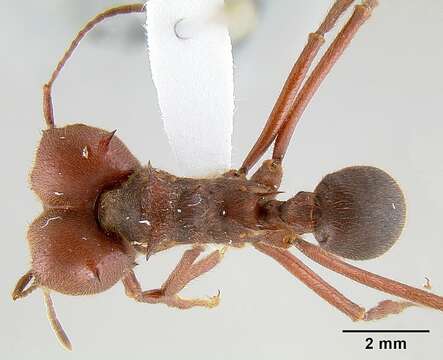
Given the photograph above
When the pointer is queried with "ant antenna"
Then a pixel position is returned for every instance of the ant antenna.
(21, 291)
(55, 324)
(47, 96)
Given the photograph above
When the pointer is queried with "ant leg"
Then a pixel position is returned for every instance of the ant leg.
(269, 174)
(47, 88)
(186, 271)
(361, 14)
(293, 83)
(21, 289)
(329, 293)
(367, 278)
(312, 280)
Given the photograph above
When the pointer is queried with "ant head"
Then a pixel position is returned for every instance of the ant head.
(359, 212)
(72, 255)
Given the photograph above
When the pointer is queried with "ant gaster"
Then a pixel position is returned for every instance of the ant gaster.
(101, 207)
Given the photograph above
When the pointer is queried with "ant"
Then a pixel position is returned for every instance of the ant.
(102, 208)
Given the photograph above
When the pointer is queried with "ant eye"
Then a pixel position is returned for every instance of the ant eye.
(359, 212)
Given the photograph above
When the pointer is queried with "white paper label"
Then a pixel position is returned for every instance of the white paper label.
(193, 74)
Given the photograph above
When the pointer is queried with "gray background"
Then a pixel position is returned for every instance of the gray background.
(381, 106)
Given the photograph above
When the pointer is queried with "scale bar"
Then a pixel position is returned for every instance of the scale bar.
(386, 331)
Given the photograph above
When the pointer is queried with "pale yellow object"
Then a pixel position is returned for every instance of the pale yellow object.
(242, 18)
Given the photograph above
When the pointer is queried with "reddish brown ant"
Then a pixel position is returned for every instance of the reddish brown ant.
(101, 207)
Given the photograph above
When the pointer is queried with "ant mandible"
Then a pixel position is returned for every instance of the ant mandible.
(102, 208)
